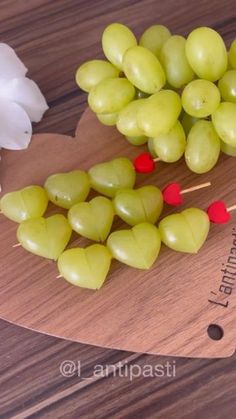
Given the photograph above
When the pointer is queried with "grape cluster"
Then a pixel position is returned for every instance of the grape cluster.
(177, 95)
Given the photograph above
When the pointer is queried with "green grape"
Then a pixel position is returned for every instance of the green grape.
(232, 55)
(203, 147)
(151, 148)
(206, 53)
(67, 189)
(86, 268)
(139, 140)
(108, 119)
(29, 202)
(186, 231)
(200, 98)
(159, 113)
(171, 146)
(187, 122)
(228, 149)
(92, 219)
(107, 178)
(46, 237)
(143, 69)
(116, 39)
(224, 121)
(154, 37)
(135, 206)
(111, 95)
(93, 72)
(127, 119)
(227, 86)
(138, 247)
(174, 61)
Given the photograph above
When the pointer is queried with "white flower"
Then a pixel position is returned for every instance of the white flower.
(21, 101)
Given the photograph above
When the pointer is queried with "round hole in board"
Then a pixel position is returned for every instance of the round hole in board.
(215, 332)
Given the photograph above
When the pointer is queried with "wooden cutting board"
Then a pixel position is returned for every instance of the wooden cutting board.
(175, 308)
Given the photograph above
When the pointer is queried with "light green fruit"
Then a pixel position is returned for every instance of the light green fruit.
(206, 53)
(127, 119)
(29, 202)
(227, 86)
(46, 237)
(67, 189)
(188, 122)
(232, 55)
(107, 178)
(116, 39)
(170, 147)
(200, 98)
(228, 149)
(174, 61)
(92, 219)
(111, 95)
(186, 231)
(203, 147)
(141, 95)
(86, 268)
(135, 206)
(108, 119)
(154, 37)
(224, 121)
(90, 73)
(151, 148)
(159, 113)
(139, 140)
(138, 247)
(143, 69)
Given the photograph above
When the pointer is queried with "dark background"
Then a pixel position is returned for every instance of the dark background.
(53, 38)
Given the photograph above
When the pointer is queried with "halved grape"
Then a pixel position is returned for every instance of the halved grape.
(108, 119)
(224, 121)
(154, 37)
(171, 146)
(116, 39)
(151, 148)
(203, 147)
(92, 72)
(206, 53)
(227, 86)
(139, 140)
(143, 69)
(228, 149)
(111, 95)
(174, 61)
(200, 98)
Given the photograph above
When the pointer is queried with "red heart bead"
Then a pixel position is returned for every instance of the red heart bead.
(171, 194)
(217, 212)
(144, 163)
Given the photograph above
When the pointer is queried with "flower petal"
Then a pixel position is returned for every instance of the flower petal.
(15, 126)
(10, 64)
(27, 94)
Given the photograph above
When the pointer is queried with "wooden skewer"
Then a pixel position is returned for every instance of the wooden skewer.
(195, 188)
(16, 245)
(157, 159)
(59, 276)
(233, 207)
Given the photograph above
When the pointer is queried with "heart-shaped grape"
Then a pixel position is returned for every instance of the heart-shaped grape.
(87, 267)
(30, 202)
(135, 206)
(138, 247)
(107, 178)
(67, 189)
(46, 237)
(185, 231)
(92, 219)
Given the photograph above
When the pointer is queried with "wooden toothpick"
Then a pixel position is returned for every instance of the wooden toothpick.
(195, 188)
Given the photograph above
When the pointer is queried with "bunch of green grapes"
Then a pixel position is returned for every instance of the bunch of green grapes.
(176, 94)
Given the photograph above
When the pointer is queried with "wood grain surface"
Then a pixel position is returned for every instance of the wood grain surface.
(53, 38)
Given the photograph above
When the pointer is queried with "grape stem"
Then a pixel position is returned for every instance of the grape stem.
(195, 188)
(233, 207)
